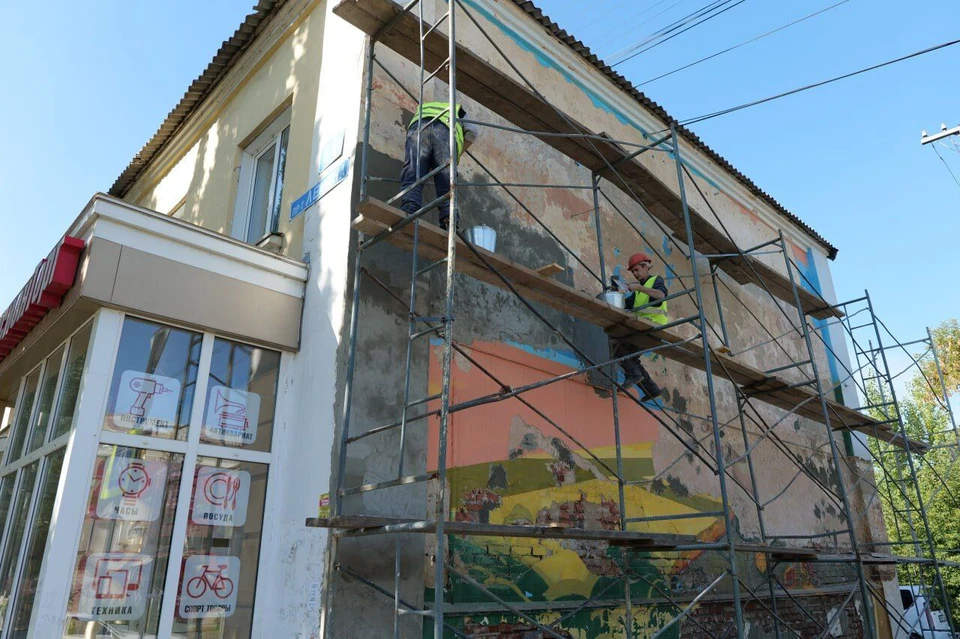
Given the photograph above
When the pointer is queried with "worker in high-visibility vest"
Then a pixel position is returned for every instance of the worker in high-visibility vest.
(433, 134)
(643, 296)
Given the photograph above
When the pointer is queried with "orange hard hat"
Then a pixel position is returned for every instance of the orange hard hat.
(636, 258)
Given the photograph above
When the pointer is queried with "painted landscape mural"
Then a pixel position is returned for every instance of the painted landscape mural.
(509, 465)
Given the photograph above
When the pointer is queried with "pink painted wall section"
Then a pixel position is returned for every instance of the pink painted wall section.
(495, 432)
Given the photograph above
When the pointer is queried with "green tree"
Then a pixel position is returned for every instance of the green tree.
(925, 417)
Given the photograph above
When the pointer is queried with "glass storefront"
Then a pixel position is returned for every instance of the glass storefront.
(173, 488)
(157, 556)
(30, 475)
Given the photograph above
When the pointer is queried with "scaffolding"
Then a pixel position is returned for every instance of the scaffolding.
(795, 385)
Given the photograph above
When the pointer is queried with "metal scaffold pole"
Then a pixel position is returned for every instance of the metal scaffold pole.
(834, 452)
(718, 444)
(931, 546)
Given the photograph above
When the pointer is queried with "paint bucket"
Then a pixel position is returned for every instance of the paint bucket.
(482, 237)
(613, 298)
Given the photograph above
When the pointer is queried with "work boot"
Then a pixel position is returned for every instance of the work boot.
(630, 378)
(650, 390)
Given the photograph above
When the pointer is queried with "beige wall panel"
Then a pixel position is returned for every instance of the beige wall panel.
(166, 289)
(98, 269)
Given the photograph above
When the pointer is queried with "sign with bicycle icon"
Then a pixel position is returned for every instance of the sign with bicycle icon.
(220, 497)
(209, 586)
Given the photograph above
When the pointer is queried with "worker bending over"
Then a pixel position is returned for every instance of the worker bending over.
(433, 152)
(642, 299)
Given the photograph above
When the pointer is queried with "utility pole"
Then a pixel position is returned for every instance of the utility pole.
(944, 133)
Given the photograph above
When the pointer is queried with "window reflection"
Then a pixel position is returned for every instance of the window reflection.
(154, 379)
(222, 550)
(241, 395)
(70, 388)
(125, 543)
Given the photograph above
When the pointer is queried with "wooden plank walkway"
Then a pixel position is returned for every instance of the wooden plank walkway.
(515, 101)
(376, 217)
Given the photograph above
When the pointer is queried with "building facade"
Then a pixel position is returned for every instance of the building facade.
(176, 368)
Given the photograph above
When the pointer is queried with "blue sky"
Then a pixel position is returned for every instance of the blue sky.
(95, 82)
(845, 158)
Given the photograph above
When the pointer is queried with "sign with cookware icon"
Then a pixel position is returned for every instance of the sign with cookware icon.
(220, 497)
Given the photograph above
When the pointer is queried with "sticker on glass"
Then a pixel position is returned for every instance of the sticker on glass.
(146, 402)
(232, 416)
(131, 489)
(115, 586)
(209, 586)
(220, 497)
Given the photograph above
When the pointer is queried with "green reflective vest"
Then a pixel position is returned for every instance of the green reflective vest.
(440, 111)
(657, 313)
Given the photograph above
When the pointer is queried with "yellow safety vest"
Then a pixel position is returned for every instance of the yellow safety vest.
(657, 313)
(441, 112)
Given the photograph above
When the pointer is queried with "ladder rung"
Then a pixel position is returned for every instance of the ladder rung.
(426, 331)
(423, 400)
(436, 24)
(431, 266)
(409, 479)
(786, 366)
(437, 70)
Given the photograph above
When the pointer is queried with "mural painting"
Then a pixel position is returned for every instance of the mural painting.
(509, 465)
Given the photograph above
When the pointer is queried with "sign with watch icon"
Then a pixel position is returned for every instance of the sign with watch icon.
(131, 489)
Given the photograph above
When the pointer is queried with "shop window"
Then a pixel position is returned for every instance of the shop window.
(41, 419)
(22, 420)
(63, 421)
(117, 587)
(260, 188)
(23, 496)
(36, 542)
(6, 494)
(215, 592)
(154, 379)
(241, 396)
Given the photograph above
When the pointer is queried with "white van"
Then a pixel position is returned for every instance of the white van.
(919, 621)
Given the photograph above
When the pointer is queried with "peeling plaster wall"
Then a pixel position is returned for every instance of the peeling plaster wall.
(490, 320)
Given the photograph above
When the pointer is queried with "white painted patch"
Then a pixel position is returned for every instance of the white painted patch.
(835, 630)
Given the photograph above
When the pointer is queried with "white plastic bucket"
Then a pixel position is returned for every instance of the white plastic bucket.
(613, 298)
(482, 237)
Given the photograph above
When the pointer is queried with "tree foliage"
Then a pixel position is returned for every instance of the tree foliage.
(926, 417)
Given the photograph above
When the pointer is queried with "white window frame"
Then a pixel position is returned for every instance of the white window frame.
(102, 357)
(248, 166)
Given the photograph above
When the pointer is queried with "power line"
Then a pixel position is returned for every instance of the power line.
(657, 44)
(746, 105)
(669, 27)
(946, 165)
(737, 46)
(630, 26)
(604, 14)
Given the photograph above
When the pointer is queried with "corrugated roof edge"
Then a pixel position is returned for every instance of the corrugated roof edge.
(232, 48)
(226, 56)
(622, 83)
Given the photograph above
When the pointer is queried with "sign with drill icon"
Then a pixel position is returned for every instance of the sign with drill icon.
(146, 403)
